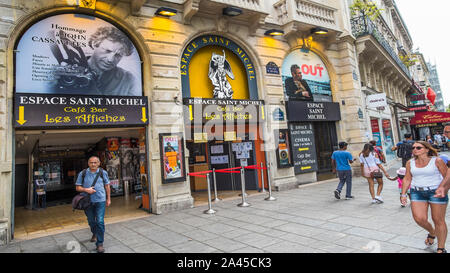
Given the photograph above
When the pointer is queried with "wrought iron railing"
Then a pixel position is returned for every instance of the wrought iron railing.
(363, 25)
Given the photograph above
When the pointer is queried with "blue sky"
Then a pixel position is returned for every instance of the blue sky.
(427, 22)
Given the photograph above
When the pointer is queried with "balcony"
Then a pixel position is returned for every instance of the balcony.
(306, 14)
(363, 25)
(254, 5)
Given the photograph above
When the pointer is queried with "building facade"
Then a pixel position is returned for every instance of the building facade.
(213, 88)
(382, 41)
(436, 86)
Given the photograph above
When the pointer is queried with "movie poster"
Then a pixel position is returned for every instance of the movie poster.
(172, 155)
(283, 148)
(77, 54)
(305, 77)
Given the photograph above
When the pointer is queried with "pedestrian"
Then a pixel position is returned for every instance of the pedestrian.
(445, 158)
(430, 140)
(378, 151)
(404, 149)
(438, 139)
(399, 178)
(425, 173)
(100, 195)
(370, 168)
(340, 161)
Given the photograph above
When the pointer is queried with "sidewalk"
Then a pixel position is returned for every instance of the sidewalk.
(304, 220)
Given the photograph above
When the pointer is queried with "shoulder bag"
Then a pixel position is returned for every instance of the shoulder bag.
(82, 201)
(374, 174)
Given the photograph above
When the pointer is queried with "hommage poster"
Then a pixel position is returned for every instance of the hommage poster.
(77, 54)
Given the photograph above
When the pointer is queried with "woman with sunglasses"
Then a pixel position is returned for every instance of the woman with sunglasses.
(425, 172)
(370, 168)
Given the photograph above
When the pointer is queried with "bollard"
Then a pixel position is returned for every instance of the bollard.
(210, 210)
(262, 178)
(270, 198)
(216, 197)
(245, 194)
(244, 201)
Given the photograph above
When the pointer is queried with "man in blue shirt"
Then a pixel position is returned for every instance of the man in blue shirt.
(341, 161)
(100, 196)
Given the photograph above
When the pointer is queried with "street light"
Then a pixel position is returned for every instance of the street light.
(166, 12)
(231, 11)
(274, 32)
(319, 30)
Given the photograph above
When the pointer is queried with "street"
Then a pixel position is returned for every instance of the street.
(304, 220)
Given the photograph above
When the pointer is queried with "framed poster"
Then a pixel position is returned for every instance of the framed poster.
(171, 148)
(282, 143)
(77, 54)
(305, 77)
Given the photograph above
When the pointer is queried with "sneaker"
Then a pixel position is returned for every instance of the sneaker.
(337, 194)
(349, 197)
(93, 239)
(379, 199)
(374, 201)
(100, 249)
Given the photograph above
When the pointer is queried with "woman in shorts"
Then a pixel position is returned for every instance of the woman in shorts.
(424, 173)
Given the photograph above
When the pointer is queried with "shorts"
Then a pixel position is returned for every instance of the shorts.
(427, 196)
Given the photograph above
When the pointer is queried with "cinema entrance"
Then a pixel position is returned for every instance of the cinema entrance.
(223, 117)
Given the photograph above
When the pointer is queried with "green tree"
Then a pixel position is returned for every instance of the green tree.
(365, 8)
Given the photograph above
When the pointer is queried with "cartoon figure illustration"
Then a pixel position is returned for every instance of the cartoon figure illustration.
(219, 68)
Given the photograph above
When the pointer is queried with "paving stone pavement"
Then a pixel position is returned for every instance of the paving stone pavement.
(304, 220)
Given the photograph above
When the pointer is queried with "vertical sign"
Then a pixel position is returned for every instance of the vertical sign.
(172, 157)
(283, 145)
(376, 132)
(303, 147)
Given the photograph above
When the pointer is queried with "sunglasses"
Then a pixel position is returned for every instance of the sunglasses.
(417, 147)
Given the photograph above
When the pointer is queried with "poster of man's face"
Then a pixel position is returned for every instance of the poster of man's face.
(77, 54)
(302, 71)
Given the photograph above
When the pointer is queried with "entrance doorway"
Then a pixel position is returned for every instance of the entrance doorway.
(54, 160)
(326, 142)
(222, 155)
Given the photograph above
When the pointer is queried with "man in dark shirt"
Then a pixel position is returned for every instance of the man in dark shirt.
(296, 87)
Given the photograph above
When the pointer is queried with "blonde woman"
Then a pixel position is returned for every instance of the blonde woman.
(425, 172)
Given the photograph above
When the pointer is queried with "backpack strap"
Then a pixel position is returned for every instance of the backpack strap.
(83, 175)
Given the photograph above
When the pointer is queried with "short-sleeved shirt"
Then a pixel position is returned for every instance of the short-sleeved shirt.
(342, 158)
(444, 157)
(370, 161)
(100, 194)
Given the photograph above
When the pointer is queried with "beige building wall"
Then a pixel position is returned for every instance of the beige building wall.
(161, 42)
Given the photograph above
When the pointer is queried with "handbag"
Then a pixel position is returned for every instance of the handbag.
(82, 201)
(374, 174)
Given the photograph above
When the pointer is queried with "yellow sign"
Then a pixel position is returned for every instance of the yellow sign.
(21, 119)
(229, 136)
(200, 137)
(303, 149)
(306, 168)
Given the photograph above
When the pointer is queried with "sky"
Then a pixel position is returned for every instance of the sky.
(427, 22)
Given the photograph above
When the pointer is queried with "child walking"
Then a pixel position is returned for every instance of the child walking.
(400, 175)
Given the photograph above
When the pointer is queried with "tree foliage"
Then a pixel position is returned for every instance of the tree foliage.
(365, 8)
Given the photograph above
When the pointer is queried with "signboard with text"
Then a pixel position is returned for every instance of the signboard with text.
(313, 111)
(65, 111)
(221, 111)
(303, 147)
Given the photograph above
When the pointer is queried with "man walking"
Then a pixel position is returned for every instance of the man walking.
(404, 149)
(100, 195)
(340, 161)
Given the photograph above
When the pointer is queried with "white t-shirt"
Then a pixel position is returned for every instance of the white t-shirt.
(428, 176)
(370, 161)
